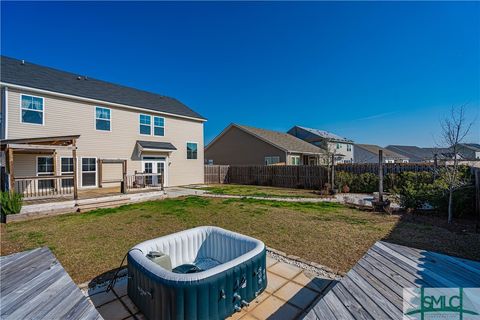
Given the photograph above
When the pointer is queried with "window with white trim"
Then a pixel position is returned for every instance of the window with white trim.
(32, 109)
(66, 169)
(45, 168)
(145, 124)
(192, 150)
(158, 126)
(349, 147)
(295, 160)
(89, 172)
(103, 119)
(272, 160)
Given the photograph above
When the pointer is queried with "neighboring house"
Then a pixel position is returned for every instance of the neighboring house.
(469, 151)
(417, 154)
(342, 148)
(50, 115)
(368, 153)
(243, 145)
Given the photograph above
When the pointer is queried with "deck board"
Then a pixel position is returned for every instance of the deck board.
(374, 286)
(35, 286)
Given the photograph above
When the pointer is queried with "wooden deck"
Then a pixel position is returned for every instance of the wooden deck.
(35, 286)
(373, 289)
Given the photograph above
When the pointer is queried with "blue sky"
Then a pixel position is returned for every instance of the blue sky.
(382, 73)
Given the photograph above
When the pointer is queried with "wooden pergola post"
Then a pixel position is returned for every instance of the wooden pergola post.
(75, 180)
(124, 177)
(11, 175)
(54, 156)
(99, 170)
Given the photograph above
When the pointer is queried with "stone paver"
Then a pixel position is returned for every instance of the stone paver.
(285, 270)
(288, 295)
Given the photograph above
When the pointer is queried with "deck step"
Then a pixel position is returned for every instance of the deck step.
(103, 204)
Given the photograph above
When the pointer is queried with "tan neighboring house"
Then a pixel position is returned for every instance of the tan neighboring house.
(244, 145)
(92, 133)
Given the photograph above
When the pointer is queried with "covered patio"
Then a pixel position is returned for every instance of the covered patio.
(41, 186)
(47, 169)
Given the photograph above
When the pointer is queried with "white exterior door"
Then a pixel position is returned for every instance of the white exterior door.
(155, 165)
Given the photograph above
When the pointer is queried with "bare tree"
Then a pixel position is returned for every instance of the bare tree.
(454, 130)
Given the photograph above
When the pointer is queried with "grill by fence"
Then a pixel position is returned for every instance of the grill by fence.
(144, 181)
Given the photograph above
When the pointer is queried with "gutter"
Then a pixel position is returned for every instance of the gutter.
(96, 101)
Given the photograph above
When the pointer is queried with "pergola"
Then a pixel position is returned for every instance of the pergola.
(43, 145)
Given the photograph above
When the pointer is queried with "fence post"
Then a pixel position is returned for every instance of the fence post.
(333, 172)
(380, 175)
(477, 199)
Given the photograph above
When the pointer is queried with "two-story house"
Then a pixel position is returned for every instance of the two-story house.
(341, 148)
(57, 123)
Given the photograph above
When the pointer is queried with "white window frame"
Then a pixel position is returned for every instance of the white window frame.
(293, 162)
(154, 126)
(68, 172)
(38, 174)
(81, 173)
(186, 149)
(95, 119)
(44, 174)
(166, 162)
(349, 147)
(140, 124)
(21, 109)
(271, 162)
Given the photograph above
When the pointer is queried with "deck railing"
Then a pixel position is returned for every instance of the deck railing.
(44, 186)
(139, 181)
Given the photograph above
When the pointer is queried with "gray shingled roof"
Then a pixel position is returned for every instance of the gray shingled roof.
(45, 78)
(472, 146)
(282, 140)
(156, 145)
(325, 134)
(386, 153)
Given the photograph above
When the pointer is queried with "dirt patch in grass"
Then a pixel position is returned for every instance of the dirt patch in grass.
(259, 191)
(92, 243)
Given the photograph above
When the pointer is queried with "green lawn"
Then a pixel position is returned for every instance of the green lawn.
(259, 191)
(92, 243)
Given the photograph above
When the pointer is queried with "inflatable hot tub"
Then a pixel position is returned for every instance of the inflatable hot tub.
(201, 273)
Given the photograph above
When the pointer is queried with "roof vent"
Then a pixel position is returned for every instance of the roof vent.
(23, 62)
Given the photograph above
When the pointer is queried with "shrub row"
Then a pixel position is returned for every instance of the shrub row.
(415, 190)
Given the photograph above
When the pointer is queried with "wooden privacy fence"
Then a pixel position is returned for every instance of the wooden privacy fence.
(360, 168)
(216, 174)
(309, 177)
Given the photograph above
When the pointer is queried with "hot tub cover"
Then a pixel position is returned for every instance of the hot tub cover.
(238, 277)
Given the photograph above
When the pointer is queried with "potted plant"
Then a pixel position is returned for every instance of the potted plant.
(10, 203)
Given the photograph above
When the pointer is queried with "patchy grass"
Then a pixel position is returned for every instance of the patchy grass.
(92, 243)
(259, 191)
